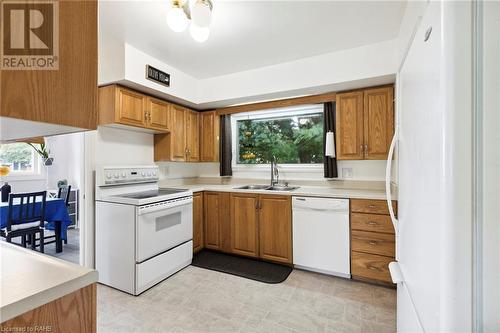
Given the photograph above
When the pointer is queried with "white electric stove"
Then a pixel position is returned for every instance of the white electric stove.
(143, 233)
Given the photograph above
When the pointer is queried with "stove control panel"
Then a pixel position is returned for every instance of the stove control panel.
(127, 175)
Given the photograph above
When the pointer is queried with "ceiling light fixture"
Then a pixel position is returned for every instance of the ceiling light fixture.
(197, 13)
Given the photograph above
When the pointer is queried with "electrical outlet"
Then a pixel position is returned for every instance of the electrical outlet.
(347, 173)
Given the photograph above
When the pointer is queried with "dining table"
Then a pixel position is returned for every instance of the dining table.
(56, 216)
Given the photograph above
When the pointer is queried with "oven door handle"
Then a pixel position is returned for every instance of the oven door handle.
(154, 207)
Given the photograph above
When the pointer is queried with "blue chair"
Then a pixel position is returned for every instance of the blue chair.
(24, 219)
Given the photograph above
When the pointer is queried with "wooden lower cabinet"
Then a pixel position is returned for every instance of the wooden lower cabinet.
(261, 226)
(198, 239)
(244, 224)
(74, 312)
(370, 267)
(217, 228)
(372, 240)
(275, 228)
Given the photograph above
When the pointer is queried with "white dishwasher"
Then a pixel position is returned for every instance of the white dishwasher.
(321, 235)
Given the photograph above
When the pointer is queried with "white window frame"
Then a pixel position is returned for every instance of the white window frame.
(288, 111)
(38, 173)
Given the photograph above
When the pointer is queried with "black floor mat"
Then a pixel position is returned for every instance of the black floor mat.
(248, 268)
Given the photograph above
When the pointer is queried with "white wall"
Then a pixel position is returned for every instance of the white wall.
(353, 68)
(361, 170)
(114, 146)
(182, 86)
(30, 185)
(313, 75)
(67, 151)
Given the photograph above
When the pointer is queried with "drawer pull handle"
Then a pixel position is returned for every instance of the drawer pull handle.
(373, 268)
(372, 243)
(371, 206)
(372, 223)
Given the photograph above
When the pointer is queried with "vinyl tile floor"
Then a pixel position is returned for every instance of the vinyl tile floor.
(199, 300)
(71, 251)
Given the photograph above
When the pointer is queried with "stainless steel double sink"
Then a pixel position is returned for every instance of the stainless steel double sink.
(267, 187)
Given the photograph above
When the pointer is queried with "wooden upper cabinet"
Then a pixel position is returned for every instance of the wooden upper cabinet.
(198, 241)
(209, 137)
(158, 114)
(131, 108)
(244, 224)
(122, 106)
(182, 143)
(66, 96)
(275, 228)
(349, 126)
(192, 136)
(178, 133)
(378, 122)
(364, 124)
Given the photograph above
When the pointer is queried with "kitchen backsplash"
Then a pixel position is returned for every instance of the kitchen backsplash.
(359, 170)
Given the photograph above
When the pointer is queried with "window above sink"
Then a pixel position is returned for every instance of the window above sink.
(294, 135)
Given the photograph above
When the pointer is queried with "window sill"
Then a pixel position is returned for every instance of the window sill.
(18, 178)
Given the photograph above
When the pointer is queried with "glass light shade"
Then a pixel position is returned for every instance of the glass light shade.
(201, 14)
(199, 34)
(177, 19)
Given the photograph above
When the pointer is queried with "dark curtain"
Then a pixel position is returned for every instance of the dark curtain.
(225, 149)
(329, 125)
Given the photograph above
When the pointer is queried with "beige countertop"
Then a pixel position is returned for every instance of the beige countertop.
(372, 192)
(29, 279)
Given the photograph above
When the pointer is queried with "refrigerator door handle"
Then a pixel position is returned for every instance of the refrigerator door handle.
(388, 181)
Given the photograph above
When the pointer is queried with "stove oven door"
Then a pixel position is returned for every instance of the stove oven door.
(162, 226)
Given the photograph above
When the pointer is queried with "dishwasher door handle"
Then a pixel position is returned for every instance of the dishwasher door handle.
(321, 209)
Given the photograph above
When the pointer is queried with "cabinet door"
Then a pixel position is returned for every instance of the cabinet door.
(244, 224)
(217, 224)
(67, 96)
(178, 133)
(349, 126)
(131, 108)
(275, 228)
(209, 137)
(378, 122)
(197, 222)
(158, 114)
(192, 136)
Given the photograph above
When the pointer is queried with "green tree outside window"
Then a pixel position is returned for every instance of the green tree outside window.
(293, 140)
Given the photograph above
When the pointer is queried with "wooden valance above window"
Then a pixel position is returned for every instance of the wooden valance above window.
(313, 99)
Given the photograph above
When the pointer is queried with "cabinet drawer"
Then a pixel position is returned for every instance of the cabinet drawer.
(372, 222)
(371, 242)
(371, 206)
(370, 266)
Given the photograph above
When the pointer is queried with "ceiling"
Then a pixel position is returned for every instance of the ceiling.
(251, 34)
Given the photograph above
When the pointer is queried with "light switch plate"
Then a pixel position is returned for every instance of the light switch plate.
(346, 173)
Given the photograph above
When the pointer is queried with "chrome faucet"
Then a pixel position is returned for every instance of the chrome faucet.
(275, 175)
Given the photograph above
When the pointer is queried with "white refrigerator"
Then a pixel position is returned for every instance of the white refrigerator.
(433, 156)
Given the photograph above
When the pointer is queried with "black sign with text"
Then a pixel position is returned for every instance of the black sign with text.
(157, 76)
